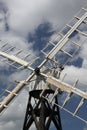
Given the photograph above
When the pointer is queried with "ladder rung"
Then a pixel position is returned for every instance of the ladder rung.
(11, 92)
(4, 60)
(78, 30)
(42, 92)
(11, 64)
(32, 61)
(9, 49)
(43, 52)
(5, 106)
(66, 53)
(67, 98)
(81, 32)
(3, 45)
(85, 21)
(75, 84)
(76, 43)
(78, 107)
(56, 40)
(55, 93)
(60, 34)
(17, 81)
(72, 41)
(77, 17)
(8, 91)
(18, 52)
(64, 77)
(27, 55)
(21, 67)
(51, 43)
(70, 94)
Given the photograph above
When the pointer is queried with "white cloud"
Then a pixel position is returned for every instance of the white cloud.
(13, 118)
(14, 39)
(74, 73)
(24, 17)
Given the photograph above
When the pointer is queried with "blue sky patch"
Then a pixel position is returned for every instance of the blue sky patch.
(41, 36)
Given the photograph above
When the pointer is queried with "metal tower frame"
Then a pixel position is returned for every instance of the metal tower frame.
(42, 113)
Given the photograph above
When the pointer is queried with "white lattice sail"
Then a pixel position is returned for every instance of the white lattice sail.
(63, 54)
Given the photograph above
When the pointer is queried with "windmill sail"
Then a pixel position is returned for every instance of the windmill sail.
(61, 52)
(67, 46)
(17, 61)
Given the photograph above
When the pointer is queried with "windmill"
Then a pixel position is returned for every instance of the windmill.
(44, 80)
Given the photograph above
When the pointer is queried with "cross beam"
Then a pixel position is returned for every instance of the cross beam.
(65, 87)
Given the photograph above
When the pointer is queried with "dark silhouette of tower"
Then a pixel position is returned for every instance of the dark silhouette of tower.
(42, 113)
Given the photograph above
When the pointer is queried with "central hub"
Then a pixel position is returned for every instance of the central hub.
(37, 71)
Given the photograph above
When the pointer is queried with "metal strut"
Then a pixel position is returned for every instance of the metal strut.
(42, 113)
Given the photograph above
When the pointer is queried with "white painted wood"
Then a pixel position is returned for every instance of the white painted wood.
(16, 59)
(65, 87)
(12, 95)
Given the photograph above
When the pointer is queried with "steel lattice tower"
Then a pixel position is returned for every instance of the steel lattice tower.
(42, 114)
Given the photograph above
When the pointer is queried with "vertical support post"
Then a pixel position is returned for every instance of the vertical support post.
(42, 115)
(59, 119)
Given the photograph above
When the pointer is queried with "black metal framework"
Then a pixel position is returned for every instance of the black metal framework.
(42, 113)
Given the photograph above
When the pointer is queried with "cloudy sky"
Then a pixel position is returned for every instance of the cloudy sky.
(22, 24)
